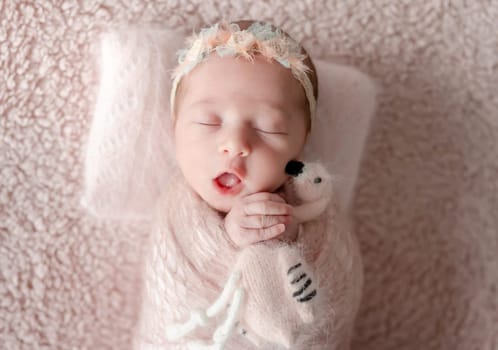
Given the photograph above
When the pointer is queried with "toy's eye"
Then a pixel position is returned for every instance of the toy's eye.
(317, 180)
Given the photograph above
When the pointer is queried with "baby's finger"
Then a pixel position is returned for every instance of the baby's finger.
(264, 221)
(264, 196)
(267, 208)
(251, 236)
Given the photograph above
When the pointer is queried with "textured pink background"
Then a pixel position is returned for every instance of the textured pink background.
(426, 208)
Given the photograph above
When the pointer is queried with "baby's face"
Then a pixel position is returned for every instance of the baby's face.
(237, 125)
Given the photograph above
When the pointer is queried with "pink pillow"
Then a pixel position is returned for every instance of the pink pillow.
(129, 148)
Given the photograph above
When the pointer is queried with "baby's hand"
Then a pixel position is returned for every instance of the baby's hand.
(257, 217)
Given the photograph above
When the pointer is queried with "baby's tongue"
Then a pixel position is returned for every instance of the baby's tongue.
(228, 180)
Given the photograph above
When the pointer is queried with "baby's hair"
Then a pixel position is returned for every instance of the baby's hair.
(307, 61)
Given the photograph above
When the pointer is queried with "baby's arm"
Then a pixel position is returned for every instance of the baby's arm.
(258, 217)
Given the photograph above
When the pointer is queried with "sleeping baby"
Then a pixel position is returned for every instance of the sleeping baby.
(249, 249)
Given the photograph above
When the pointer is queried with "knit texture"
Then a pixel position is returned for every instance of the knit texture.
(424, 211)
(188, 260)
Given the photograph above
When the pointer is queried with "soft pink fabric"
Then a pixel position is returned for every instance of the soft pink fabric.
(270, 311)
(188, 260)
(184, 268)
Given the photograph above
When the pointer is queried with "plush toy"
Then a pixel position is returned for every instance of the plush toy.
(309, 191)
(271, 292)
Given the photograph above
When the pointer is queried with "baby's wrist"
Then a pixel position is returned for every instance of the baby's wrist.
(291, 232)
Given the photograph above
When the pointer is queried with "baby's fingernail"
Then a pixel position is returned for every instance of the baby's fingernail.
(281, 227)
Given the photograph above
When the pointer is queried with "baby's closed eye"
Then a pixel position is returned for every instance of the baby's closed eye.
(209, 120)
(271, 128)
(272, 131)
(208, 124)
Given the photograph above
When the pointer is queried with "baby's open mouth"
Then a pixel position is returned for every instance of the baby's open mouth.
(228, 180)
(228, 183)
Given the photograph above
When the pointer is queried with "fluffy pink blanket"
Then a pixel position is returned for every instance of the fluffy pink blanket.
(425, 208)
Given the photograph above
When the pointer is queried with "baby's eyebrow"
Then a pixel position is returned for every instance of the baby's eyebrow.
(203, 102)
(276, 110)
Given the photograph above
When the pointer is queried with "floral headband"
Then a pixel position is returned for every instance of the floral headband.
(259, 39)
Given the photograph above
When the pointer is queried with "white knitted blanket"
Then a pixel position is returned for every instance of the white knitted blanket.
(425, 209)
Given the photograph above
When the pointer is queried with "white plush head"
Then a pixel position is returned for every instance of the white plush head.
(310, 181)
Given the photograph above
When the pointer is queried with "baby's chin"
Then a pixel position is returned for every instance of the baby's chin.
(222, 207)
(219, 204)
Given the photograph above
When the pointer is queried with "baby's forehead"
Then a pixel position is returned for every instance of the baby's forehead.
(238, 78)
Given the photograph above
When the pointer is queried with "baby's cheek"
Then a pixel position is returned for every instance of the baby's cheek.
(274, 174)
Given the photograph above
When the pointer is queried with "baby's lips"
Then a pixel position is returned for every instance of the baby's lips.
(228, 179)
(228, 184)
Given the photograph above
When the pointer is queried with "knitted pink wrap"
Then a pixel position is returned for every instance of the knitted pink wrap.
(189, 261)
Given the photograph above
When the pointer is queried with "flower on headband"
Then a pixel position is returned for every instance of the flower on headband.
(264, 31)
(276, 49)
(220, 37)
(243, 43)
(230, 40)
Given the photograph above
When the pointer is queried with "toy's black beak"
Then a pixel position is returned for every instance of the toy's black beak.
(294, 168)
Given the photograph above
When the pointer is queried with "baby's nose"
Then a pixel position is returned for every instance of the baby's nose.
(233, 151)
(235, 145)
